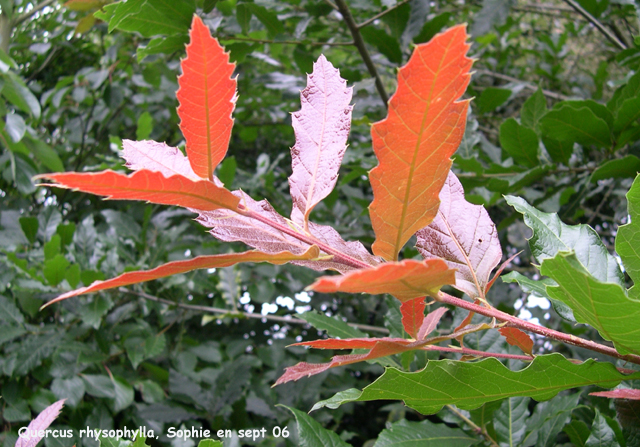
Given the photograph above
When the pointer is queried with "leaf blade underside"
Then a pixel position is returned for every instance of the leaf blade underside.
(405, 280)
(464, 236)
(149, 186)
(414, 143)
(321, 127)
(468, 385)
(39, 425)
(187, 265)
(207, 97)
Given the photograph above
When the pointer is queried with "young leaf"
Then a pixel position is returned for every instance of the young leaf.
(405, 280)
(413, 144)
(464, 236)
(207, 97)
(604, 306)
(230, 226)
(352, 343)
(39, 424)
(619, 393)
(628, 239)
(321, 127)
(430, 322)
(471, 384)
(515, 337)
(413, 315)
(147, 185)
(176, 267)
(157, 157)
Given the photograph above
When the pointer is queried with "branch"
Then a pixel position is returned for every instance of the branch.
(536, 329)
(528, 85)
(381, 14)
(359, 43)
(24, 16)
(230, 313)
(595, 22)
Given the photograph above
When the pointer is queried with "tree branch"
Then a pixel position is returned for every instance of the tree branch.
(231, 313)
(528, 85)
(359, 44)
(595, 22)
(381, 14)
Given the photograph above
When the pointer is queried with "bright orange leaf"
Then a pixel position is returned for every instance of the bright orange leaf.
(405, 280)
(423, 129)
(413, 315)
(147, 185)
(176, 267)
(207, 97)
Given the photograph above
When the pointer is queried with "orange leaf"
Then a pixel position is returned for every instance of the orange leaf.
(147, 185)
(207, 97)
(176, 267)
(351, 343)
(413, 315)
(515, 337)
(414, 143)
(405, 280)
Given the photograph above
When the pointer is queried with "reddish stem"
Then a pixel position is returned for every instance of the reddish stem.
(536, 329)
(467, 351)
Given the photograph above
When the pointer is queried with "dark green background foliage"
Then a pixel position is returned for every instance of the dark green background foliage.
(554, 120)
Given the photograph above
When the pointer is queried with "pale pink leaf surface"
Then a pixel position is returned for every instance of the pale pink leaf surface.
(229, 226)
(42, 422)
(157, 157)
(619, 394)
(464, 236)
(321, 127)
(430, 322)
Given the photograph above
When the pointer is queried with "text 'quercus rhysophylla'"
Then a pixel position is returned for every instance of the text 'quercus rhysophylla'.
(414, 194)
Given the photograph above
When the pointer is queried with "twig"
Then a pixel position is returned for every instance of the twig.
(22, 17)
(381, 14)
(528, 85)
(482, 431)
(330, 3)
(536, 329)
(359, 43)
(286, 42)
(227, 312)
(476, 353)
(595, 22)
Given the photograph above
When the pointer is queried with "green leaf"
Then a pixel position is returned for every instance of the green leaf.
(135, 350)
(628, 239)
(44, 153)
(551, 236)
(604, 306)
(73, 275)
(601, 434)
(18, 94)
(533, 109)
(578, 432)
(243, 16)
(539, 288)
(312, 434)
(154, 345)
(55, 269)
(625, 167)
(145, 126)
(335, 327)
(227, 171)
(519, 142)
(598, 109)
(268, 18)
(383, 42)
(549, 418)
(29, 227)
(152, 18)
(123, 394)
(163, 45)
(423, 434)
(510, 420)
(93, 311)
(627, 114)
(15, 127)
(71, 389)
(53, 247)
(66, 231)
(397, 20)
(210, 442)
(560, 151)
(579, 125)
(469, 385)
(432, 27)
(34, 350)
(491, 98)
(99, 386)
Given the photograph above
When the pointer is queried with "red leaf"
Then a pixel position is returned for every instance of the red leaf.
(413, 315)
(321, 127)
(464, 236)
(176, 267)
(303, 369)
(619, 394)
(515, 337)
(147, 185)
(413, 144)
(351, 343)
(229, 226)
(499, 271)
(157, 157)
(405, 280)
(207, 97)
(430, 322)
(39, 424)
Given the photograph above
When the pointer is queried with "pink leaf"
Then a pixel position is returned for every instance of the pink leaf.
(464, 236)
(413, 315)
(430, 322)
(157, 157)
(619, 394)
(42, 422)
(321, 126)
